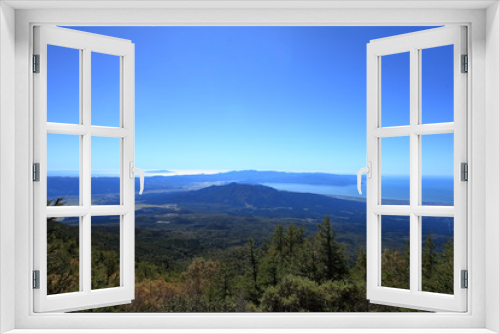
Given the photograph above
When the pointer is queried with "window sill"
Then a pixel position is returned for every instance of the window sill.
(250, 331)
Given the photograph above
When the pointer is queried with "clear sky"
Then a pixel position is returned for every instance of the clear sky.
(270, 98)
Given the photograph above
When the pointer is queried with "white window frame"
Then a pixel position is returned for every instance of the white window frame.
(414, 43)
(483, 21)
(86, 44)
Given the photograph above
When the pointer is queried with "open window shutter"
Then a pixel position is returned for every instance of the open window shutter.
(84, 293)
(416, 296)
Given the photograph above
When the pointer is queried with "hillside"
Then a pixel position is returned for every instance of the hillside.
(246, 199)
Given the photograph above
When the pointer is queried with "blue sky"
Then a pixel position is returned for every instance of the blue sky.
(270, 98)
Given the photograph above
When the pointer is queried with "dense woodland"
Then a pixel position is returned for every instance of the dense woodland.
(291, 270)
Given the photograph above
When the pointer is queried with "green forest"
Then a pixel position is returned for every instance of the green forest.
(291, 270)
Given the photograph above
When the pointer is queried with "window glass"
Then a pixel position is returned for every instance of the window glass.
(63, 255)
(105, 183)
(437, 169)
(63, 169)
(437, 254)
(395, 170)
(395, 89)
(395, 256)
(105, 90)
(105, 252)
(63, 85)
(437, 84)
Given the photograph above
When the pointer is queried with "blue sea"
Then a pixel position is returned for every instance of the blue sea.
(395, 190)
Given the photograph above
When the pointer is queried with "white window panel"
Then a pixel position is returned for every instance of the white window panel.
(413, 44)
(85, 44)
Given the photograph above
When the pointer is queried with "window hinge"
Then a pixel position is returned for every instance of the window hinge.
(36, 279)
(36, 172)
(465, 279)
(36, 63)
(465, 64)
(464, 171)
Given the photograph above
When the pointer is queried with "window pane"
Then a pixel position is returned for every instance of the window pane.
(105, 90)
(63, 85)
(105, 171)
(437, 84)
(63, 169)
(395, 251)
(437, 254)
(395, 170)
(437, 169)
(105, 250)
(63, 249)
(395, 89)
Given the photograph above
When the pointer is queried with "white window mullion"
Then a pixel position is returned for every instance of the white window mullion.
(394, 131)
(80, 130)
(373, 183)
(433, 129)
(406, 210)
(86, 168)
(416, 117)
(86, 256)
(127, 102)
(85, 161)
(414, 170)
(81, 225)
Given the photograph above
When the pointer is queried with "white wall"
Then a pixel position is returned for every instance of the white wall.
(7, 159)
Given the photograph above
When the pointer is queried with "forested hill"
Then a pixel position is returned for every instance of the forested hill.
(256, 200)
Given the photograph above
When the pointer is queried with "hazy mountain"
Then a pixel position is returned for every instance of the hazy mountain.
(247, 199)
(69, 186)
(254, 176)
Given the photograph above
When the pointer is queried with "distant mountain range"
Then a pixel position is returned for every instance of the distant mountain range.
(255, 176)
(152, 171)
(69, 185)
(435, 190)
(259, 200)
(249, 177)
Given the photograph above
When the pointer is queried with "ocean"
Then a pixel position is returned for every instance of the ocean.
(435, 190)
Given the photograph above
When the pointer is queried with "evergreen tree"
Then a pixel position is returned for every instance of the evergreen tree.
(358, 272)
(294, 240)
(252, 270)
(444, 278)
(396, 268)
(331, 255)
(429, 263)
(271, 267)
(278, 240)
(309, 260)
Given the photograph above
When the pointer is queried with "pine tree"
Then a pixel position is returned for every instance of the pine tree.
(396, 268)
(252, 269)
(429, 263)
(294, 240)
(331, 254)
(278, 240)
(444, 270)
